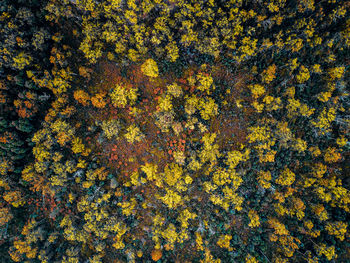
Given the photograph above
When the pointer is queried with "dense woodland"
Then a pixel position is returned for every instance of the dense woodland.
(174, 131)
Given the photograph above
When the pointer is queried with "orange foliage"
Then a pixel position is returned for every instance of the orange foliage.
(99, 100)
(82, 97)
(156, 254)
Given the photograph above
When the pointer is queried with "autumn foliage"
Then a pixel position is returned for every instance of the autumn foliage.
(174, 131)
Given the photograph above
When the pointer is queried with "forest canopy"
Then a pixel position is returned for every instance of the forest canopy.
(174, 131)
